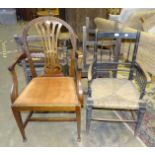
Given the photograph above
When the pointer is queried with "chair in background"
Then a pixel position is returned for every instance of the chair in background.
(58, 87)
(104, 50)
(116, 92)
(88, 42)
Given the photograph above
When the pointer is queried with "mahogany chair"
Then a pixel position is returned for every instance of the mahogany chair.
(122, 92)
(58, 88)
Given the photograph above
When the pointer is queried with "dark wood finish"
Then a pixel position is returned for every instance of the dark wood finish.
(35, 97)
(26, 13)
(31, 13)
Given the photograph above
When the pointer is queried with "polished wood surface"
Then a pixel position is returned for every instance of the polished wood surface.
(53, 91)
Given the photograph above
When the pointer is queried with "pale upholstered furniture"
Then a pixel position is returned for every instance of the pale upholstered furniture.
(148, 24)
(115, 92)
(58, 88)
(127, 14)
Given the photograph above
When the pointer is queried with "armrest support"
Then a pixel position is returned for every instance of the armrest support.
(80, 59)
(11, 68)
(90, 69)
(21, 56)
(147, 76)
(142, 78)
(79, 87)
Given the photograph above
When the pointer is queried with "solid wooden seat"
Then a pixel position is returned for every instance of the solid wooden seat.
(57, 91)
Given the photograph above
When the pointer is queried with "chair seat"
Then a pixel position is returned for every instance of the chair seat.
(114, 93)
(48, 91)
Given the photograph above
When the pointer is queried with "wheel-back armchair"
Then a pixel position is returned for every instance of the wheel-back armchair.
(58, 87)
(124, 89)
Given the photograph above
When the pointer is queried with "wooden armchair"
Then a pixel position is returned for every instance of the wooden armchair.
(122, 92)
(58, 88)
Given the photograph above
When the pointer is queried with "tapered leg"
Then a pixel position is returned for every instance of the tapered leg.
(78, 119)
(141, 113)
(88, 117)
(18, 119)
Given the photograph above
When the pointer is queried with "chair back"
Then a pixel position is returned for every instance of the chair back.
(115, 57)
(51, 42)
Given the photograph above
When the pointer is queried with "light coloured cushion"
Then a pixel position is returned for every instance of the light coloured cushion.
(149, 24)
(114, 17)
(114, 93)
(152, 30)
(48, 91)
(128, 13)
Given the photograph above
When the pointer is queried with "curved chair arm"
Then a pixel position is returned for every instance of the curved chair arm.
(90, 73)
(79, 87)
(11, 68)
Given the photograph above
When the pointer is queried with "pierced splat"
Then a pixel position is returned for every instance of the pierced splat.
(49, 33)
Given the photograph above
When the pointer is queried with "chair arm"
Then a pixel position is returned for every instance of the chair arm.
(20, 57)
(11, 68)
(79, 87)
(147, 76)
(90, 69)
(142, 79)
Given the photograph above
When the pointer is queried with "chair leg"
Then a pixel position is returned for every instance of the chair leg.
(140, 116)
(78, 119)
(19, 122)
(88, 117)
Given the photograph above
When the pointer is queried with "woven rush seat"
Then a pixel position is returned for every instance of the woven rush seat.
(115, 94)
(60, 91)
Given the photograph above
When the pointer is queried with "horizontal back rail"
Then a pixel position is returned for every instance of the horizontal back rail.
(115, 35)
